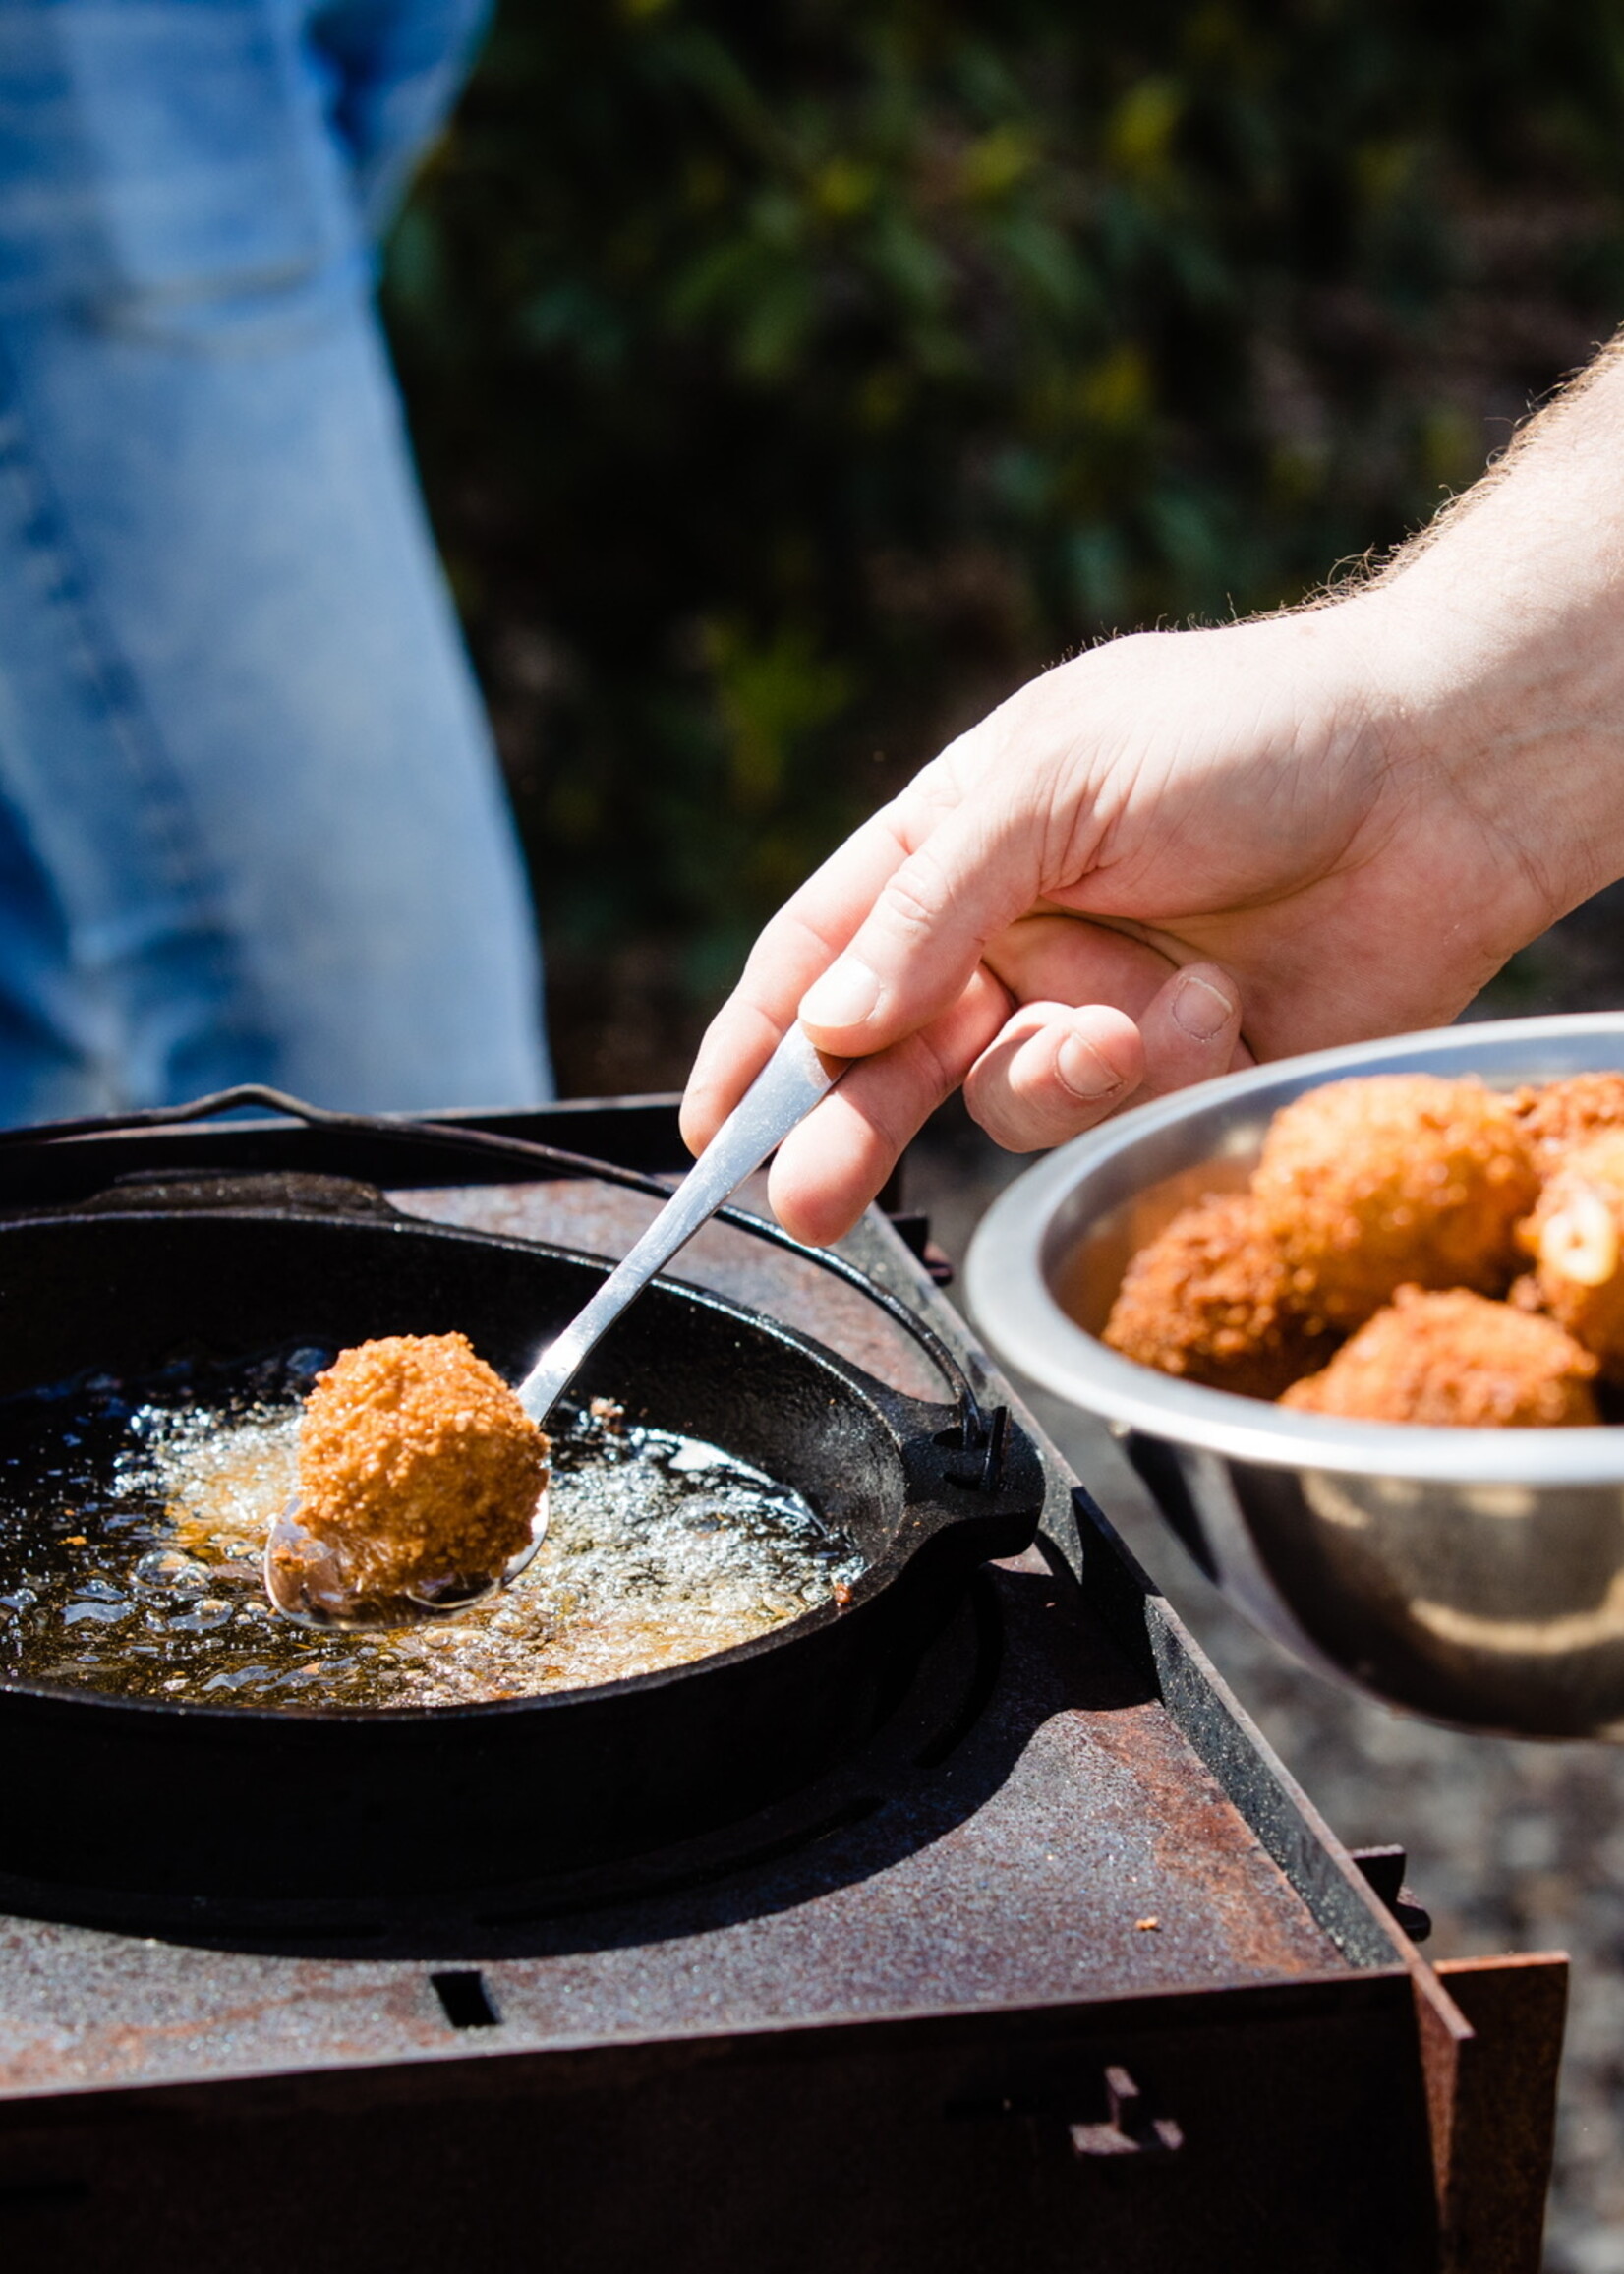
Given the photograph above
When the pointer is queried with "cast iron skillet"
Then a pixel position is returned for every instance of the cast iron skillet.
(267, 1803)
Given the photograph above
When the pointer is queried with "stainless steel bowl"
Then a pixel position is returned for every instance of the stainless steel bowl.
(1473, 1575)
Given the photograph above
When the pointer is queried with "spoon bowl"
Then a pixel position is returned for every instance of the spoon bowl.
(306, 1581)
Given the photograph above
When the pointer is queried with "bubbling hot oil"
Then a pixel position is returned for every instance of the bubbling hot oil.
(133, 1519)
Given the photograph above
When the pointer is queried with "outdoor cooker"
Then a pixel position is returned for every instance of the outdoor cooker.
(1060, 1971)
(268, 1802)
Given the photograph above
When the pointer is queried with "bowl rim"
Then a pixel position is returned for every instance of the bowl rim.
(1009, 1289)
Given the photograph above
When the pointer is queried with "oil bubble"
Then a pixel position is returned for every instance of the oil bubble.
(166, 1568)
(206, 1616)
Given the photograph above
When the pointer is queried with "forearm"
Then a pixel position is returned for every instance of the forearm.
(1501, 628)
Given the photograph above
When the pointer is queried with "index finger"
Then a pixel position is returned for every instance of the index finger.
(805, 936)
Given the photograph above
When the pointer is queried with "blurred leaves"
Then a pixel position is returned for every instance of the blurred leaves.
(791, 382)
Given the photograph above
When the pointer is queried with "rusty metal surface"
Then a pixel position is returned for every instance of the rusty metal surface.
(1504, 2117)
(1027, 1868)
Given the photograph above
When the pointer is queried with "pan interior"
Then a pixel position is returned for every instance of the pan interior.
(132, 1519)
(712, 1511)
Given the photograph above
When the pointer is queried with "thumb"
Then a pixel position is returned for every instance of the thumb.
(916, 952)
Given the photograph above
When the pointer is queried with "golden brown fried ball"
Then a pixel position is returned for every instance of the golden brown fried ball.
(1210, 1298)
(1397, 1177)
(1556, 1116)
(1576, 1236)
(1455, 1360)
(418, 1464)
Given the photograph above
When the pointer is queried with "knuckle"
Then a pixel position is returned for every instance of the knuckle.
(793, 941)
(1007, 1123)
(934, 1079)
(915, 900)
(1026, 1108)
(929, 796)
(988, 1102)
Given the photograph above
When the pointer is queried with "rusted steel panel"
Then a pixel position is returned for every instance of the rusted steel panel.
(1503, 2118)
(945, 2144)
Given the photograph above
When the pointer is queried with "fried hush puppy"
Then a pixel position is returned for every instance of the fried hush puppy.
(1556, 1116)
(1576, 1238)
(416, 1464)
(1370, 1183)
(1211, 1298)
(1455, 1360)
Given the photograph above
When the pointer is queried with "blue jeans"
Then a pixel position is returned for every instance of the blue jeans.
(251, 822)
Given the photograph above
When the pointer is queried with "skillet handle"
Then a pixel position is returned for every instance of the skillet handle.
(990, 1498)
(296, 1192)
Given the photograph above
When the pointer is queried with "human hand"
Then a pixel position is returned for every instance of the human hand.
(1299, 825)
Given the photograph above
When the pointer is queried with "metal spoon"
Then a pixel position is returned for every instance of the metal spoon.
(305, 1576)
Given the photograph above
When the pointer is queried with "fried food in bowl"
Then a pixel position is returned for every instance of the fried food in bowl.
(1576, 1236)
(1212, 1298)
(1397, 1205)
(1455, 1360)
(1399, 1178)
(1556, 1116)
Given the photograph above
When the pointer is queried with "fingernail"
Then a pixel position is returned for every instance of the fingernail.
(1085, 1074)
(1201, 1008)
(844, 996)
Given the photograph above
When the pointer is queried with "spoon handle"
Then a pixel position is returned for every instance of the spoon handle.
(784, 1094)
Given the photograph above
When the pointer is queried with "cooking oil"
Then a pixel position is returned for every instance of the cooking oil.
(132, 1519)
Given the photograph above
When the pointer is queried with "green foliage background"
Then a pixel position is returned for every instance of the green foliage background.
(790, 381)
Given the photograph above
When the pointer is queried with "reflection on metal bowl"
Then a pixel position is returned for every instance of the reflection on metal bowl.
(1473, 1575)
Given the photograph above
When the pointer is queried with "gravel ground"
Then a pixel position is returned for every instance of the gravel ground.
(1512, 1846)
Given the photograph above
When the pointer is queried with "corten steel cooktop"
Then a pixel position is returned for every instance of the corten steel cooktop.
(1062, 1972)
